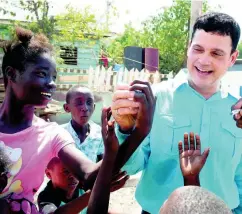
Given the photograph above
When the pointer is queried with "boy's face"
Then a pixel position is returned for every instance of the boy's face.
(208, 58)
(61, 177)
(81, 105)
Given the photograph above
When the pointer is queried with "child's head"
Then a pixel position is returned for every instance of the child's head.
(5, 164)
(29, 69)
(80, 103)
(60, 176)
(194, 199)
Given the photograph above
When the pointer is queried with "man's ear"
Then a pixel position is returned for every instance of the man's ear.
(66, 108)
(10, 73)
(233, 58)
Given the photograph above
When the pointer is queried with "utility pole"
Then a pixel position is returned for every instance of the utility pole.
(108, 5)
(196, 11)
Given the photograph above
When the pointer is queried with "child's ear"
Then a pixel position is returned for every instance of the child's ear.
(10, 73)
(66, 108)
(94, 106)
(48, 174)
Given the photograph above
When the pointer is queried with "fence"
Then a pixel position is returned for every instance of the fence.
(101, 79)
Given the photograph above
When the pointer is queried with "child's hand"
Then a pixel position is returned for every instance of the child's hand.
(191, 159)
(118, 181)
(109, 138)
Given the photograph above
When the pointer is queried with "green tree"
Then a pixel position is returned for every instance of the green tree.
(4, 5)
(75, 24)
(37, 15)
(130, 37)
(168, 31)
(40, 20)
(71, 25)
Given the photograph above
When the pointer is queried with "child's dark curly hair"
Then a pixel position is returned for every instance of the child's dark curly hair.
(25, 48)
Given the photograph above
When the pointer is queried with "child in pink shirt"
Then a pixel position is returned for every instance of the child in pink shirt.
(38, 144)
(29, 73)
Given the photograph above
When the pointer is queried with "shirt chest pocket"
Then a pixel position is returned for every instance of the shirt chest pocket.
(171, 130)
(230, 142)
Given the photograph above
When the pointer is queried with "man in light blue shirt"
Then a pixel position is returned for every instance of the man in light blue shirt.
(197, 104)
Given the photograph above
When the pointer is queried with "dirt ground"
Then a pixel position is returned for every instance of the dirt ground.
(123, 201)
